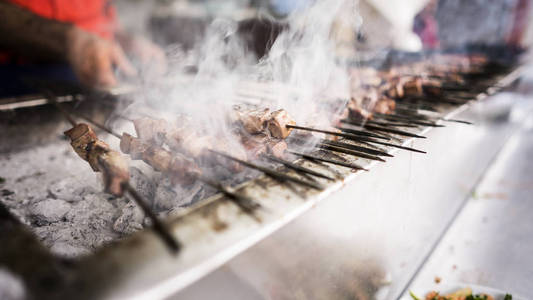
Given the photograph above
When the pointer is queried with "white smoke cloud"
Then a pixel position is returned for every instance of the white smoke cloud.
(299, 74)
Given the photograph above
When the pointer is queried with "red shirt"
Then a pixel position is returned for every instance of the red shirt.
(96, 16)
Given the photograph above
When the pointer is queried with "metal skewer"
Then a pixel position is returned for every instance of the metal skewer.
(349, 152)
(157, 225)
(344, 135)
(98, 125)
(331, 161)
(271, 173)
(384, 129)
(384, 123)
(367, 140)
(407, 119)
(457, 121)
(356, 148)
(296, 167)
(246, 204)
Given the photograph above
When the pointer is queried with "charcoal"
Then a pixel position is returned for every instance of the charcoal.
(169, 196)
(130, 219)
(48, 211)
(166, 197)
(144, 185)
(63, 188)
(94, 210)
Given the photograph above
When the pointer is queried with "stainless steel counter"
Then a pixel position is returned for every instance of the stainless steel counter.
(369, 239)
(491, 241)
(461, 213)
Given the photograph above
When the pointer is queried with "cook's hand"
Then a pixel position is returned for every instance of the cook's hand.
(93, 59)
(150, 57)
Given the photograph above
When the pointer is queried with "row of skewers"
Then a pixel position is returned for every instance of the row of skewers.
(382, 103)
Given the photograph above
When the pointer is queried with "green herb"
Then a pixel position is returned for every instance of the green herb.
(485, 297)
(2, 180)
(413, 295)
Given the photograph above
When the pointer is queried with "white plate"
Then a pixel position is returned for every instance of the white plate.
(445, 289)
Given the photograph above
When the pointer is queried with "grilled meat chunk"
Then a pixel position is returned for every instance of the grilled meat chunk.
(356, 112)
(100, 157)
(413, 87)
(252, 120)
(177, 166)
(116, 171)
(384, 105)
(276, 125)
(256, 145)
(277, 148)
(132, 146)
(151, 130)
(260, 144)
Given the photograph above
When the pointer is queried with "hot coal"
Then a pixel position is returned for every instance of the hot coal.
(62, 200)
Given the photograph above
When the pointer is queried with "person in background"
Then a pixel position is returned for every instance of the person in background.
(482, 22)
(426, 26)
(522, 13)
(67, 40)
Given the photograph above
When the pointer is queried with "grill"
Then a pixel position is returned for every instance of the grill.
(192, 242)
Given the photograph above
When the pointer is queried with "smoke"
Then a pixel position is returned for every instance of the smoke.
(300, 74)
(302, 61)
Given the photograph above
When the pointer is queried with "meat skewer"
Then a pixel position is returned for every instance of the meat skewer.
(100, 157)
(178, 167)
(158, 156)
(115, 169)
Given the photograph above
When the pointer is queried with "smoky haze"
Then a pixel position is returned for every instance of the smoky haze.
(300, 74)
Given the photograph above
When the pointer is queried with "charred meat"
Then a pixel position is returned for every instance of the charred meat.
(100, 157)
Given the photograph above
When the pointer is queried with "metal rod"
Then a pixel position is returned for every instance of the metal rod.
(420, 106)
(344, 135)
(271, 173)
(405, 114)
(356, 148)
(458, 121)
(61, 109)
(296, 167)
(378, 122)
(386, 123)
(406, 119)
(349, 152)
(100, 126)
(331, 161)
(367, 140)
(389, 130)
(246, 204)
(157, 225)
